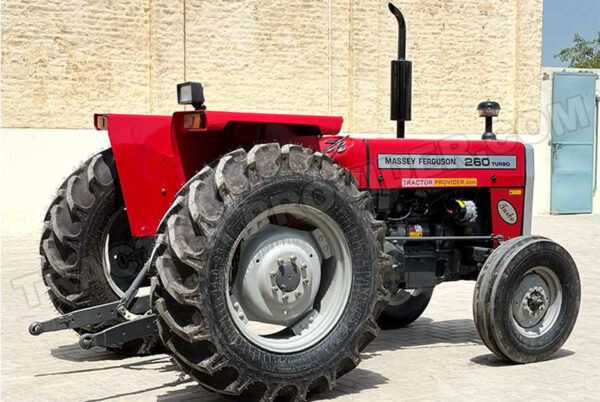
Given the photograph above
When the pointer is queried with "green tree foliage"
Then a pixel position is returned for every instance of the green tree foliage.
(584, 53)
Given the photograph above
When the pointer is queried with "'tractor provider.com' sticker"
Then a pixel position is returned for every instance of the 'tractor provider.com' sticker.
(439, 182)
(507, 212)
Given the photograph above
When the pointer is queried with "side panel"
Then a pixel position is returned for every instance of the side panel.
(149, 172)
(427, 163)
(507, 211)
(415, 164)
(498, 165)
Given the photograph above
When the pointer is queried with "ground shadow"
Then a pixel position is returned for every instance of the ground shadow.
(353, 383)
(491, 360)
(150, 363)
(74, 353)
(425, 333)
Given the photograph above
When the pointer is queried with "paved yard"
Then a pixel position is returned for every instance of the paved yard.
(439, 357)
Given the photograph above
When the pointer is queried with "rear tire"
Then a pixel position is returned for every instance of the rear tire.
(195, 256)
(404, 308)
(526, 299)
(74, 247)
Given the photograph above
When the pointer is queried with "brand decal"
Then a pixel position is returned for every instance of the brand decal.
(507, 212)
(440, 182)
(441, 162)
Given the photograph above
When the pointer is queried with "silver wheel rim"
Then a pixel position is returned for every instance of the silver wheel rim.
(536, 302)
(290, 285)
(112, 251)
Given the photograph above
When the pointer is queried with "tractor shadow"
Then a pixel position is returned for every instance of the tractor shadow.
(491, 360)
(425, 333)
(352, 383)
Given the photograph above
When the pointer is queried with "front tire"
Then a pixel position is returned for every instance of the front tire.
(88, 254)
(526, 299)
(405, 307)
(214, 252)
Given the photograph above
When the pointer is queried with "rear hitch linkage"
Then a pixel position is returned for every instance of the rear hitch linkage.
(136, 310)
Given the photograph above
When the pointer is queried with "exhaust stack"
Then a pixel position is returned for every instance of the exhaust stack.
(401, 93)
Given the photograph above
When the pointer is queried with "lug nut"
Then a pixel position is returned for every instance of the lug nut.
(285, 297)
(298, 293)
(280, 261)
(293, 258)
(303, 266)
(273, 273)
(274, 289)
(305, 281)
(236, 305)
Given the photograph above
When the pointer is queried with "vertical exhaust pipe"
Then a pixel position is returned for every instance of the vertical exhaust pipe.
(401, 93)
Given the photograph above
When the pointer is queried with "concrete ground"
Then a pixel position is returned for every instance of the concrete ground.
(440, 357)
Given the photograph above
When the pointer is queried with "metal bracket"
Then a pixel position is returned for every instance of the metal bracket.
(498, 238)
(89, 316)
(121, 333)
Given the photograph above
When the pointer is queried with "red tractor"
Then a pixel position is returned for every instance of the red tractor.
(265, 251)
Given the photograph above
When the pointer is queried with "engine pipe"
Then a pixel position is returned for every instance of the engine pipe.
(401, 91)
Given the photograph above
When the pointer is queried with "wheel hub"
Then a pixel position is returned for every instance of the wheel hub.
(279, 276)
(531, 300)
(287, 275)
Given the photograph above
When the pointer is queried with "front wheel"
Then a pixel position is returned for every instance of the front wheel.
(527, 299)
(270, 274)
(405, 307)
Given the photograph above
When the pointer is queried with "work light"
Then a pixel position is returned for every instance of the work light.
(191, 93)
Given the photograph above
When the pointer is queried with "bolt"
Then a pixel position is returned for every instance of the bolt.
(311, 320)
(280, 261)
(303, 266)
(298, 293)
(164, 191)
(236, 305)
(273, 273)
(285, 297)
(305, 281)
(293, 258)
(241, 315)
(274, 289)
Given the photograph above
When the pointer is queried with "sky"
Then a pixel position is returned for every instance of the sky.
(562, 20)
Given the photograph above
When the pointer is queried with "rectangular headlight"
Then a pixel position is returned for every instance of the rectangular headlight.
(190, 93)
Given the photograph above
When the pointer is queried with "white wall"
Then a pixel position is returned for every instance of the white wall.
(34, 162)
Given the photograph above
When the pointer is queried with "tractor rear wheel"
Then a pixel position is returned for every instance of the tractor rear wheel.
(89, 256)
(527, 299)
(405, 307)
(269, 274)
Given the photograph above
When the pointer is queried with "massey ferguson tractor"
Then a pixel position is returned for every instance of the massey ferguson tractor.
(264, 251)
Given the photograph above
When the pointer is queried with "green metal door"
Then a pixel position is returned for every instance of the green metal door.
(573, 118)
